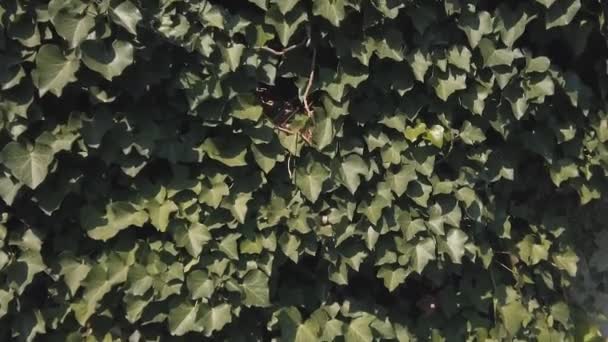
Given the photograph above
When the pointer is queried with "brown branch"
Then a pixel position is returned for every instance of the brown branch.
(288, 131)
(311, 77)
(281, 52)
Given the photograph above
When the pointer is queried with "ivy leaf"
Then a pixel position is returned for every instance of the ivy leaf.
(567, 261)
(359, 330)
(214, 319)
(424, 252)
(73, 28)
(159, 214)
(193, 238)
(293, 329)
(310, 180)
(455, 242)
(54, 70)
(200, 285)
(74, 272)
(493, 56)
(476, 26)
(182, 318)
(255, 289)
(512, 23)
(562, 171)
(332, 10)
(448, 83)
(350, 171)
(232, 55)
(393, 277)
(117, 216)
(228, 246)
(29, 164)
(399, 181)
(514, 316)
(470, 134)
(213, 194)
(109, 61)
(126, 15)
(285, 5)
(231, 153)
(546, 3)
(285, 26)
(561, 13)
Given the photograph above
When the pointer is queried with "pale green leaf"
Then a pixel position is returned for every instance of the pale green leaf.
(108, 60)
(29, 164)
(54, 70)
(127, 15)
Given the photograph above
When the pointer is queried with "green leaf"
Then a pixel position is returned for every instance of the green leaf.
(232, 55)
(323, 132)
(446, 84)
(424, 252)
(563, 170)
(126, 15)
(420, 63)
(567, 261)
(435, 135)
(99, 281)
(200, 285)
(460, 57)
(229, 246)
(231, 153)
(290, 245)
(54, 70)
(350, 170)
(310, 180)
(470, 134)
(117, 216)
(255, 289)
(285, 5)
(74, 272)
(359, 330)
(193, 238)
(73, 28)
(159, 214)
(213, 192)
(561, 13)
(182, 319)
(512, 23)
(285, 26)
(29, 164)
(531, 252)
(476, 26)
(393, 277)
(399, 181)
(293, 329)
(493, 56)
(214, 319)
(108, 60)
(332, 10)
(246, 109)
(514, 316)
(546, 3)
(237, 204)
(455, 241)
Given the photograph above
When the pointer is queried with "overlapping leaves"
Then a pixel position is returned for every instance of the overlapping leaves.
(301, 170)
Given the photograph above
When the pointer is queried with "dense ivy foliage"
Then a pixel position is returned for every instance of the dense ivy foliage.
(302, 170)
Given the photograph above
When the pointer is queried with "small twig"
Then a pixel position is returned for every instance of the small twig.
(288, 131)
(311, 77)
(281, 52)
(289, 167)
(505, 267)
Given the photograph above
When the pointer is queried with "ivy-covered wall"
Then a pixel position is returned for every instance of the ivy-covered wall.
(303, 170)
